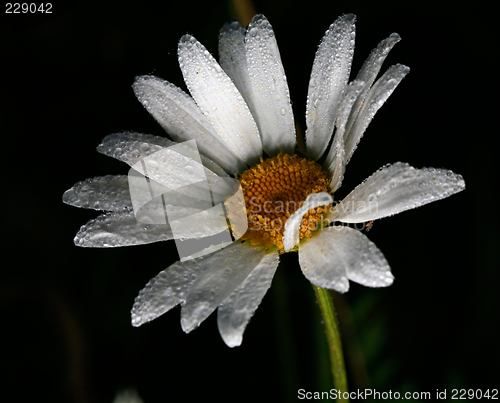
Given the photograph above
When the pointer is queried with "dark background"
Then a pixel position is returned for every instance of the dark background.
(66, 83)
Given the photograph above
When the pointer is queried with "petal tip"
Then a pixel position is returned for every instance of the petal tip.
(234, 340)
(395, 36)
(349, 17)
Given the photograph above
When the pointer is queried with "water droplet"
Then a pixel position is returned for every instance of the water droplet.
(283, 111)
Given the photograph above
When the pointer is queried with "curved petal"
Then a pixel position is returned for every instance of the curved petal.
(371, 66)
(219, 100)
(292, 225)
(120, 229)
(181, 118)
(227, 271)
(339, 253)
(396, 188)
(329, 76)
(272, 109)
(235, 312)
(369, 71)
(375, 98)
(108, 193)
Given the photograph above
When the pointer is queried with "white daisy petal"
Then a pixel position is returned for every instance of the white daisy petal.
(227, 271)
(108, 193)
(219, 100)
(369, 71)
(233, 58)
(373, 63)
(321, 260)
(396, 188)
(181, 118)
(168, 289)
(329, 76)
(131, 147)
(375, 98)
(371, 268)
(292, 225)
(176, 169)
(335, 160)
(120, 229)
(271, 105)
(339, 253)
(235, 312)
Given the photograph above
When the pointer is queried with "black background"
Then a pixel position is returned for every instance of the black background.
(66, 83)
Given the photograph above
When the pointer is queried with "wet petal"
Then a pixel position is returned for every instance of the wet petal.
(219, 100)
(168, 288)
(272, 109)
(108, 193)
(227, 271)
(233, 59)
(375, 98)
(167, 166)
(235, 312)
(181, 118)
(329, 76)
(131, 147)
(369, 71)
(292, 225)
(371, 66)
(178, 169)
(335, 160)
(396, 188)
(339, 253)
(120, 229)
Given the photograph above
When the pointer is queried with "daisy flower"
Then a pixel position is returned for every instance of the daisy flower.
(240, 115)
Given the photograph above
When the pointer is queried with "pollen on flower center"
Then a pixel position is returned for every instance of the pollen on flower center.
(273, 190)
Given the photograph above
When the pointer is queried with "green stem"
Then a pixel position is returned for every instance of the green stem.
(333, 336)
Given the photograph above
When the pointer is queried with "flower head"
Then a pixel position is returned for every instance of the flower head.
(240, 115)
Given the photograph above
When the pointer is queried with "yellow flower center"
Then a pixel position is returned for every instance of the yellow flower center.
(273, 190)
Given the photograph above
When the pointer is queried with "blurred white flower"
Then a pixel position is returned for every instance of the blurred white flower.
(239, 112)
(127, 396)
